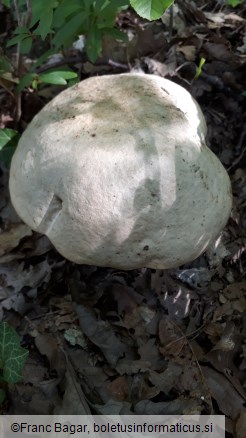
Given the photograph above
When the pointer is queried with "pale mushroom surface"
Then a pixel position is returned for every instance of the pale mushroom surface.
(116, 172)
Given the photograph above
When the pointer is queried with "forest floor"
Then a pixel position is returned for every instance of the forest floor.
(146, 342)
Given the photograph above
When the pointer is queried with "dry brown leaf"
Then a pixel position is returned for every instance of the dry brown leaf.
(113, 407)
(126, 297)
(11, 238)
(100, 333)
(149, 351)
(189, 52)
(235, 290)
(230, 402)
(73, 402)
(171, 339)
(119, 388)
(219, 52)
(174, 407)
(31, 400)
(241, 425)
(168, 379)
(127, 366)
(47, 346)
(14, 276)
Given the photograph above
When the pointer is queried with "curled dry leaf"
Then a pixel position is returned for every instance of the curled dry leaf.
(119, 388)
(47, 346)
(230, 402)
(100, 333)
(11, 238)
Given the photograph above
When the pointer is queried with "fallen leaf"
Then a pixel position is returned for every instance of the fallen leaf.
(100, 333)
(229, 400)
(10, 239)
(119, 388)
(241, 424)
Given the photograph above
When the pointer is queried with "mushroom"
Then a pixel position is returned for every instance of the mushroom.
(116, 172)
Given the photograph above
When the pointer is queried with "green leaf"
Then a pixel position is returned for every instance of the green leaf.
(44, 27)
(26, 45)
(115, 33)
(107, 14)
(64, 10)
(25, 81)
(35, 84)
(6, 3)
(23, 37)
(14, 364)
(93, 43)
(12, 355)
(17, 39)
(58, 77)
(115, 5)
(8, 141)
(37, 9)
(100, 4)
(89, 5)
(5, 65)
(199, 68)
(69, 30)
(235, 3)
(40, 8)
(151, 9)
(21, 29)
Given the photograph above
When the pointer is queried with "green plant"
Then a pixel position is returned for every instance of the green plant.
(151, 9)
(235, 3)
(63, 21)
(58, 23)
(12, 356)
(199, 68)
(8, 142)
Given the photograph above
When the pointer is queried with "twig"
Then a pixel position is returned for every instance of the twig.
(192, 334)
(17, 13)
(170, 30)
(28, 16)
(18, 71)
(117, 64)
(194, 354)
(64, 61)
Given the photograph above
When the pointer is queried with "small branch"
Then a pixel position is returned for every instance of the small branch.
(28, 17)
(117, 64)
(64, 61)
(17, 13)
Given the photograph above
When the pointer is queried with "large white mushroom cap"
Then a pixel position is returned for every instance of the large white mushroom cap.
(116, 173)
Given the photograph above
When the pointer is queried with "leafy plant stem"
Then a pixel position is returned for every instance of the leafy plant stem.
(28, 16)
(17, 13)
(19, 57)
(17, 94)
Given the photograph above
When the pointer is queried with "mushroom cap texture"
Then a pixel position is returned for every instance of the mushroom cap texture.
(116, 172)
